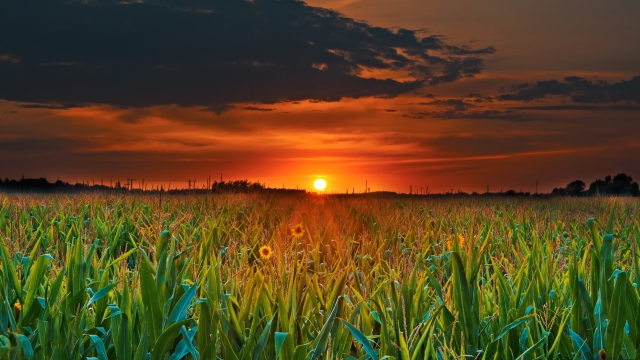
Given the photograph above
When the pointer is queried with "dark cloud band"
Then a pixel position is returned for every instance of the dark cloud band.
(580, 90)
(209, 53)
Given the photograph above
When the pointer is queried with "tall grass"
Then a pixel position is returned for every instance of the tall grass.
(107, 277)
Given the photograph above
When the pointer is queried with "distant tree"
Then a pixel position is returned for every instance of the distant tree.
(575, 188)
(621, 184)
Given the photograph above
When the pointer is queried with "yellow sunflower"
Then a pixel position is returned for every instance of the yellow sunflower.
(297, 231)
(266, 252)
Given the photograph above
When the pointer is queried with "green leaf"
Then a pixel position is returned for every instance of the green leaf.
(362, 339)
(36, 275)
(25, 344)
(617, 317)
(179, 311)
(188, 341)
(462, 300)
(151, 301)
(280, 337)
(262, 341)
(101, 293)
(99, 345)
(10, 271)
(300, 353)
(143, 347)
(532, 349)
(579, 345)
(323, 339)
(511, 326)
(165, 340)
(123, 256)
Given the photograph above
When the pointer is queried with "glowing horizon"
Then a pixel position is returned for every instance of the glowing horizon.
(478, 100)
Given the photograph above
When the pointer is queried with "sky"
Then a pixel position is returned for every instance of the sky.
(449, 95)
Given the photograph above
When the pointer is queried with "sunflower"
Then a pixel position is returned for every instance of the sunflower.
(297, 231)
(265, 252)
(17, 306)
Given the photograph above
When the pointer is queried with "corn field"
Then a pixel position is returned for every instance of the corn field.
(318, 277)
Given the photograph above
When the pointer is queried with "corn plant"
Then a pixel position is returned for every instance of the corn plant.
(305, 277)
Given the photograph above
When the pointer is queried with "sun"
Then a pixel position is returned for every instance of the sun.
(320, 184)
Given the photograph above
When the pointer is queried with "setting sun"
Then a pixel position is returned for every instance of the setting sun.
(320, 184)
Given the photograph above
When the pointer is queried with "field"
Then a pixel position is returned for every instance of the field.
(307, 277)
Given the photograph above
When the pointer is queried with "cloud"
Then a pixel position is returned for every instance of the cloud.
(255, 108)
(53, 106)
(55, 144)
(580, 107)
(579, 90)
(10, 58)
(457, 104)
(508, 115)
(210, 54)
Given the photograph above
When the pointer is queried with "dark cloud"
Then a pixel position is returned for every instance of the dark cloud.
(54, 106)
(580, 107)
(255, 108)
(55, 144)
(209, 53)
(508, 115)
(457, 104)
(579, 90)
(10, 58)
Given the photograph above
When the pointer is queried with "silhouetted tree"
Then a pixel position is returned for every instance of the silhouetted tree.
(621, 184)
(575, 188)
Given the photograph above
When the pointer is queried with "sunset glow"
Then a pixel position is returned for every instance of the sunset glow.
(320, 184)
(344, 178)
(492, 96)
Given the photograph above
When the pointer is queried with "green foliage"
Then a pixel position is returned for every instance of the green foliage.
(102, 277)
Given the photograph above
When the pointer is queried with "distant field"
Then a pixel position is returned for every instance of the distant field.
(307, 277)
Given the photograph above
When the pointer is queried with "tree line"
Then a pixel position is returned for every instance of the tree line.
(620, 185)
(42, 185)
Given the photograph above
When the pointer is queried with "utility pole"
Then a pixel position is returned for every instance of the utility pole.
(366, 186)
(536, 187)
(130, 183)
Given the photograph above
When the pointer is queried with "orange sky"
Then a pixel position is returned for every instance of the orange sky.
(417, 138)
